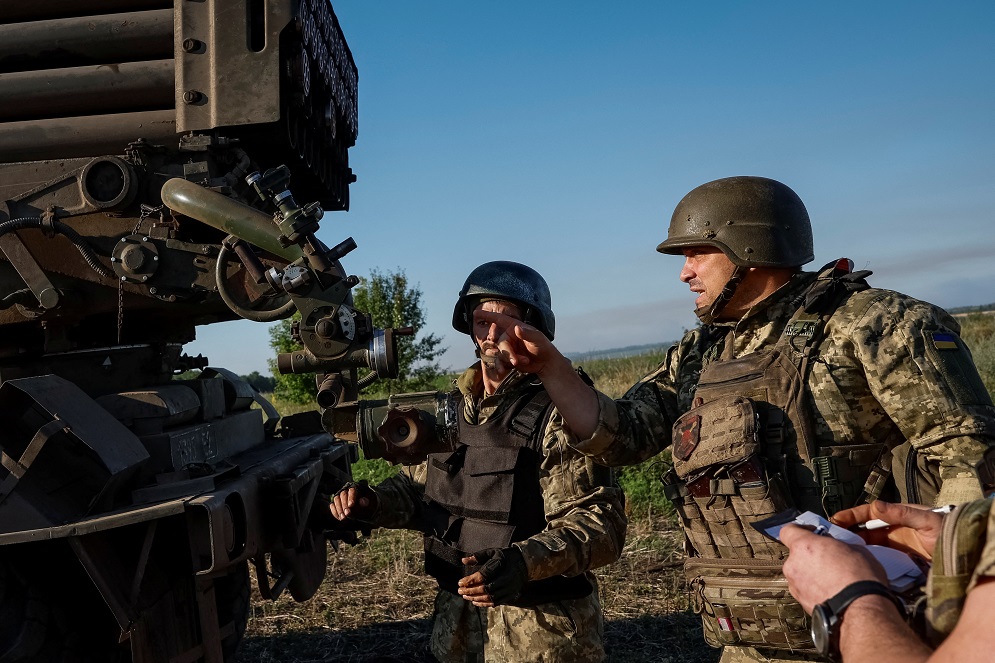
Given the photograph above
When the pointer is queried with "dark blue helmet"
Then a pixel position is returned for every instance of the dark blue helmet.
(510, 281)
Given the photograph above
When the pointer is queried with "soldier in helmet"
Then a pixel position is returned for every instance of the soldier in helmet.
(515, 518)
(807, 390)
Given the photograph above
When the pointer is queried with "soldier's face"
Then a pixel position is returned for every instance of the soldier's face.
(706, 270)
(486, 334)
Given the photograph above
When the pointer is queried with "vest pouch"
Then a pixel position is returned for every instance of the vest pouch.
(489, 476)
(746, 602)
(697, 539)
(737, 496)
(720, 432)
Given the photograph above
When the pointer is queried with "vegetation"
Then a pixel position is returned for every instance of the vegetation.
(978, 332)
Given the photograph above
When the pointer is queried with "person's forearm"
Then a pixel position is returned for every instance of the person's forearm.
(576, 401)
(873, 632)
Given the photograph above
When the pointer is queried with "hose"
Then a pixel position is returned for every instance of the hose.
(221, 274)
(35, 222)
(365, 381)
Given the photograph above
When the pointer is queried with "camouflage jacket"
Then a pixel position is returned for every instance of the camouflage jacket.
(585, 521)
(890, 369)
(964, 555)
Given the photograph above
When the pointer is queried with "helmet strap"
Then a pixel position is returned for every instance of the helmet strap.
(708, 314)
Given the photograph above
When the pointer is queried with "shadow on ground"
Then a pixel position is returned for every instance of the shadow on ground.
(674, 638)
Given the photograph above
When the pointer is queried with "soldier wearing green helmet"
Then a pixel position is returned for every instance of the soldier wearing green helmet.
(806, 390)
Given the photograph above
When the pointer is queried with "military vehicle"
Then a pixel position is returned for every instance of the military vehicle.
(146, 152)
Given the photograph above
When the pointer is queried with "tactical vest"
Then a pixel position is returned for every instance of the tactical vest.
(486, 494)
(747, 450)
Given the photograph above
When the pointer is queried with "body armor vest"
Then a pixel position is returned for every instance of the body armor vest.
(747, 450)
(486, 494)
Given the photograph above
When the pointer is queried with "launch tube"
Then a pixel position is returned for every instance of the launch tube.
(228, 215)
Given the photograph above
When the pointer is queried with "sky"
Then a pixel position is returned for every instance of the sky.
(562, 133)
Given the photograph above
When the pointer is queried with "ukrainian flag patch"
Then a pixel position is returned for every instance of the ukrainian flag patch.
(944, 341)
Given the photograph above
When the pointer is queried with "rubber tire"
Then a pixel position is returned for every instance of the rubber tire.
(232, 595)
(48, 619)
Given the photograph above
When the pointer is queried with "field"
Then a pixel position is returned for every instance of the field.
(375, 604)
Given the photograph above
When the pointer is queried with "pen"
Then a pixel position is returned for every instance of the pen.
(879, 524)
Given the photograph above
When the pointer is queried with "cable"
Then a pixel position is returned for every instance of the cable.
(221, 274)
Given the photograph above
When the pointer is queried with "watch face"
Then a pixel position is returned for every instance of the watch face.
(820, 629)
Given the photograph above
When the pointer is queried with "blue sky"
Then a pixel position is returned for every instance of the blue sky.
(562, 135)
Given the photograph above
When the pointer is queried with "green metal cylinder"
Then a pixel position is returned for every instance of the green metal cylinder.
(228, 215)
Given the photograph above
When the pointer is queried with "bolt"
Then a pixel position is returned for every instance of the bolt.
(113, 259)
(124, 278)
(145, 278)
(145, 239)
(155, 257)
(192, 96)
(190, 45)
(153, 290)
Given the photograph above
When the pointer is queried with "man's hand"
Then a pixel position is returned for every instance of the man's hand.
(914, 528)
(528, 350)
(522, 345)
(500, 580)
(355, 500)
(818, 567)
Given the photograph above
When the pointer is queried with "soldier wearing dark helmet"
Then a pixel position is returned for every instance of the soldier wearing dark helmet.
(799, 389)
(515, 518)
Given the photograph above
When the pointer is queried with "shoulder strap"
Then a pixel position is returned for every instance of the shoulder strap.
(526, 422)
(833, 286)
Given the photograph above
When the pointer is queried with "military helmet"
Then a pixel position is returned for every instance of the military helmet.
(755, 221)
(510, 281)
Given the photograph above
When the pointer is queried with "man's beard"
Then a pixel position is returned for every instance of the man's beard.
(492, 360)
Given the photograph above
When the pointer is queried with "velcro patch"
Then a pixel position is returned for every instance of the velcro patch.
(944, 341)
(688, 436)
(800, 328)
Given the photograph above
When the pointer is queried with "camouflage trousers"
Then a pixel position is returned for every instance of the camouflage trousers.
(559, 632)
(733, 654)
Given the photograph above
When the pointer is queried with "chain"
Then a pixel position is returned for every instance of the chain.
(147, 211)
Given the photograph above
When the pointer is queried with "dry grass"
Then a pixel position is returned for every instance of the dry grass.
(376, 605)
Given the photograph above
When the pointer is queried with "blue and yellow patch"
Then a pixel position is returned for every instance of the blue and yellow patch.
(944, 341)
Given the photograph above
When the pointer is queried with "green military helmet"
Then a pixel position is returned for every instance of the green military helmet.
(755, 221)
(509, 281)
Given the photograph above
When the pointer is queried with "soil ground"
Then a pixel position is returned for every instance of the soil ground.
(376, 605)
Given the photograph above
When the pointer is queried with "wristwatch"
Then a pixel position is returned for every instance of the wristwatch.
(826, 617)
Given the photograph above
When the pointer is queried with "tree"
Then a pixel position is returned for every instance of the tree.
(263, 383)
(392, 302)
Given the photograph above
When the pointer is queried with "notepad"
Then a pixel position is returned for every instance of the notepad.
(903, 573)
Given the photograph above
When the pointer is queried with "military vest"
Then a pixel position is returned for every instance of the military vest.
(486, 494)
(747, 450)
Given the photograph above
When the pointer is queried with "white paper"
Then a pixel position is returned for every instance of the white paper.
(902, 572)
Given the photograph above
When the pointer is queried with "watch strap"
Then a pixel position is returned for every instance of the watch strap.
(854, 591)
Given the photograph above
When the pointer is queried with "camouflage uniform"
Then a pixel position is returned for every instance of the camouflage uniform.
(585, 529)
(889, 369)
(964, 555)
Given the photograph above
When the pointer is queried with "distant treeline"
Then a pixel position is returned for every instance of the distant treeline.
(619, 353)
(961, 310)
